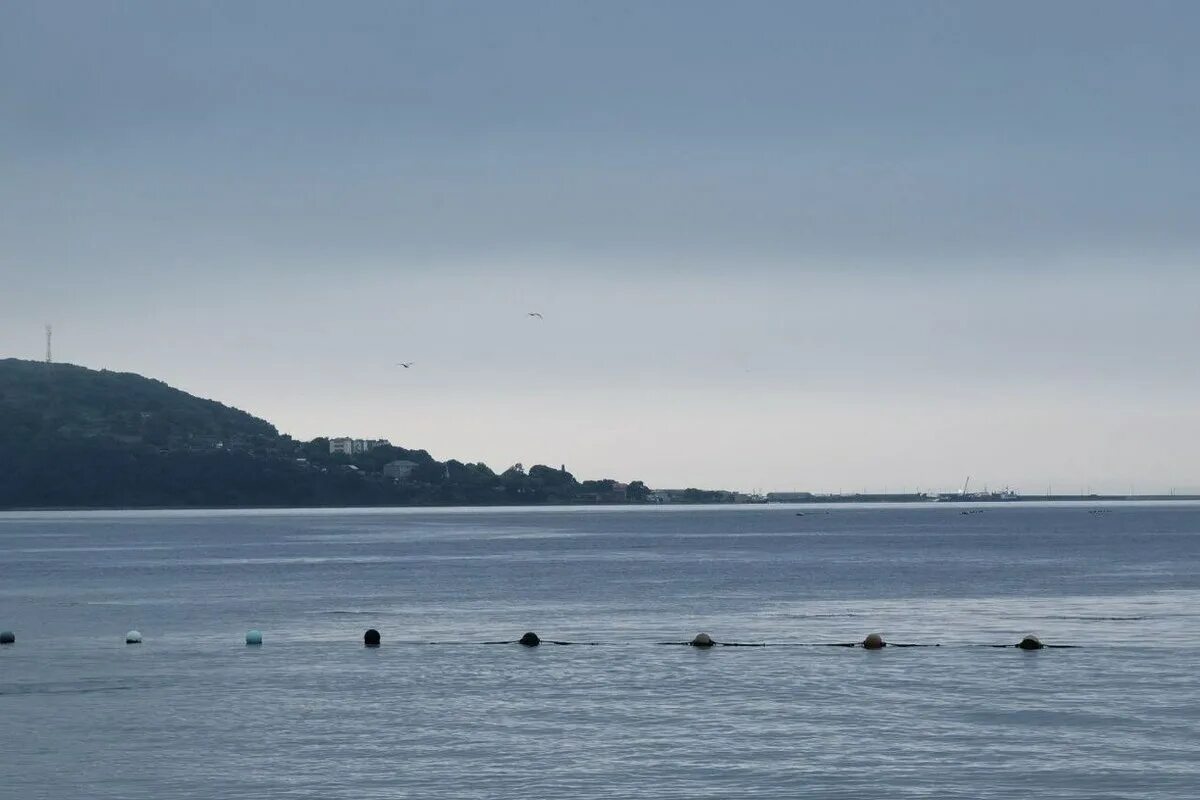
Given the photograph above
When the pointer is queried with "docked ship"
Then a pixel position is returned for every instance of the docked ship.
(966, 496)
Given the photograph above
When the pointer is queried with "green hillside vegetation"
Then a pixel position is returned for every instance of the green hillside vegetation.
(72, 437)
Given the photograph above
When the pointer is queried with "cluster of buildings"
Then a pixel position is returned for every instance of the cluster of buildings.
(353, 447)
(790, 497)
(398, 470)
(691, 496)
(616, 493)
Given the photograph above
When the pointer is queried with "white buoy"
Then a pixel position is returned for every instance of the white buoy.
(254, 636)
(133, 637)
(7, 637)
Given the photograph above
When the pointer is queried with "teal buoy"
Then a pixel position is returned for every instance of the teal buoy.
(1031, 642)
(254, 636)
(133, 637)
(7, 637)
(530, 639)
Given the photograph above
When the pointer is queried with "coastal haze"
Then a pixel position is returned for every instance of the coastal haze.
(776, 247)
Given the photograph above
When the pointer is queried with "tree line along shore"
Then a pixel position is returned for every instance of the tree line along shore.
(72, 437)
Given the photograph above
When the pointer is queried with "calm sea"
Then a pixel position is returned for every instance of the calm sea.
(436, 713)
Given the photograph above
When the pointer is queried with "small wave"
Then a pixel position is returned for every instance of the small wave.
(1055, 718)
(1099, 619)
(161, 601)
(60, 689)
(345, 613)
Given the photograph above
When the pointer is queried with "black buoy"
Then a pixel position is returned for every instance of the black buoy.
(1030, 642)
(874, 642)
(371, 638)
(7, 637)
(702, 640)
(530, 639)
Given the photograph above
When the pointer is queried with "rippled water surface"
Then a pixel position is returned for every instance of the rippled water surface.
(436, 713)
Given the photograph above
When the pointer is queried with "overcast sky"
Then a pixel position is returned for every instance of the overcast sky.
(776, 245)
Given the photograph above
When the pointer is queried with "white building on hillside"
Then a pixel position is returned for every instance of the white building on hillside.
(349, 447)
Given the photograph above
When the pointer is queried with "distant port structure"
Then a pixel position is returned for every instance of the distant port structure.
(963, 495)
(966, 495)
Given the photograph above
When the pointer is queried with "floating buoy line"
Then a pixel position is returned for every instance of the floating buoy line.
(702, 641)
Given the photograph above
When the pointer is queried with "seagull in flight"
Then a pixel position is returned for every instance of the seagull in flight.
(535, 314)
(405, 364)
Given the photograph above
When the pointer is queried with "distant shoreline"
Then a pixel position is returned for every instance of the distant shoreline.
(913, 500)
(1032, 498)
(77, 439)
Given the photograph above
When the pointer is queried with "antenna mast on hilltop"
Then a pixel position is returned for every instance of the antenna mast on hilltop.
(49, 334)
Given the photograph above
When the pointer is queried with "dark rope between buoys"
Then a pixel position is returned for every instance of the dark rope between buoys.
(740, 644)
(702, 641)
(1043, 647)
(716, 644)
(860, 644)
(814, 644)
(540, 641)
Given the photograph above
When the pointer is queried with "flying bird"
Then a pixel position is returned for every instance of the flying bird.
(405, 364)
(535, 314)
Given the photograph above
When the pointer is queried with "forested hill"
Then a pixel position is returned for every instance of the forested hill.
(72, 437)
(44, 403)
